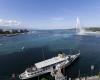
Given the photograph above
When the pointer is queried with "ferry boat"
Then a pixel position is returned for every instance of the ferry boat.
(48, 65)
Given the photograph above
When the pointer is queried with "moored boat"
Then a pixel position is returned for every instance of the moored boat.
(48, 65)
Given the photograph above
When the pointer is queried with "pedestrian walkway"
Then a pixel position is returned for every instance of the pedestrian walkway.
(89, 78)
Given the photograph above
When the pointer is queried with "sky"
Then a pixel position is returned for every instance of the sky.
(49, 14)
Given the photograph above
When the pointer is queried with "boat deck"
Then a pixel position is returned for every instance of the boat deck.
(50, 62)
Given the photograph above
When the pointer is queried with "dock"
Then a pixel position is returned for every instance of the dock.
(89, 78)
(60, 76)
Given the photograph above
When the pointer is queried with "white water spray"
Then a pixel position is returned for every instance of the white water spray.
(79, 29)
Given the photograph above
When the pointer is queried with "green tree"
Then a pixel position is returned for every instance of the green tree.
(44, 79)
(99, 74)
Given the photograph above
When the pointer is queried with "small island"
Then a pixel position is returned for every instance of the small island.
(94, 29)
(12, 32)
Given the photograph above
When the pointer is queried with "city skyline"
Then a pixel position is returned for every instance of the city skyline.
(49, 14)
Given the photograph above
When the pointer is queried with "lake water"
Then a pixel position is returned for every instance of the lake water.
(14, 59)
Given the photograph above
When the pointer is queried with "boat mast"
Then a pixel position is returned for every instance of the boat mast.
(79, 74)
(43, 54)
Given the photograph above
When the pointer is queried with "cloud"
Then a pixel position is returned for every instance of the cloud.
(57, 18)
(9, 22)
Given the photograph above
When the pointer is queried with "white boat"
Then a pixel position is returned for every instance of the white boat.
(48, 65)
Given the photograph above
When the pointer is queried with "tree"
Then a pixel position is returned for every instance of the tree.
(99, 74)
(44, 79)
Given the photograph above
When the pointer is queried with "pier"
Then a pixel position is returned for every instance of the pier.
(59, 76)
(89, 78)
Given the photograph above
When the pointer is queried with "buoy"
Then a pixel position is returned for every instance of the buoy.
(13, 77)
(23, 48)
(92, 67)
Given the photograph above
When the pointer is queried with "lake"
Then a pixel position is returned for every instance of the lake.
(21, 51)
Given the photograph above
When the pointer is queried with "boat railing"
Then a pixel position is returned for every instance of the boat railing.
(38, 71)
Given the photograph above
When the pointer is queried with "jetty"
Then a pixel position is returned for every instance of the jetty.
(59, 76)
(89, 78)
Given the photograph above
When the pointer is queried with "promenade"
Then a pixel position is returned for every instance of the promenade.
(89, 78)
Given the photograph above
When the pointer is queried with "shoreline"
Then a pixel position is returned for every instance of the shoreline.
(11, 34)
